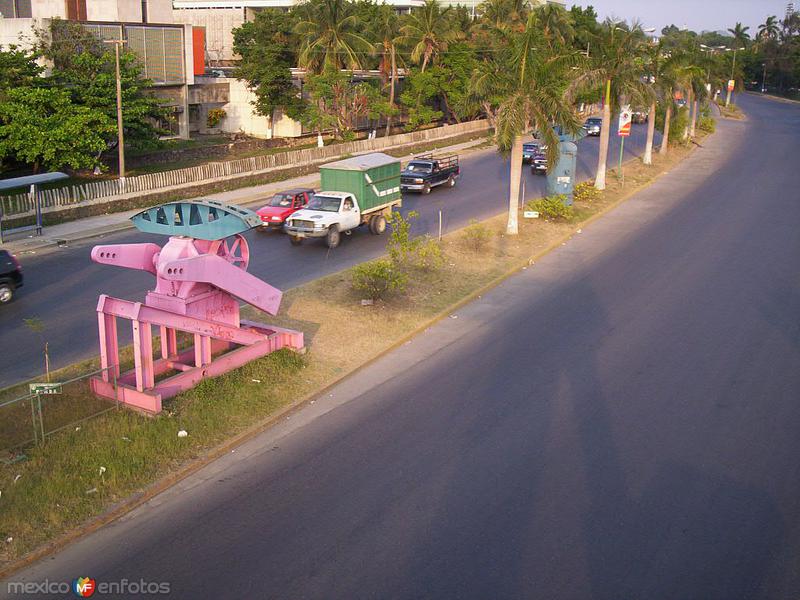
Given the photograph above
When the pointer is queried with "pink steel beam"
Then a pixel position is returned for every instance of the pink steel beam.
(130, 256)
(136, 311)
(217, 271)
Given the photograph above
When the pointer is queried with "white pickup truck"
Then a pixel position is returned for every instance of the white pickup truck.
(328, 215)
(367, 188)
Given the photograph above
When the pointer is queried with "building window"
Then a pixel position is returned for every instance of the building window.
(15, 9)
(76, 10)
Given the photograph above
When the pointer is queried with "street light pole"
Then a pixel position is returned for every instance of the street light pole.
(120, 137)
(764, 79)
(733, 69)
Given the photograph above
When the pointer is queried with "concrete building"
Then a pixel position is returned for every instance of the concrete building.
(221, 17)
(171, 54)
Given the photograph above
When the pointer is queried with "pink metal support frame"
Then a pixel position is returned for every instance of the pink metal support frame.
(197, 286)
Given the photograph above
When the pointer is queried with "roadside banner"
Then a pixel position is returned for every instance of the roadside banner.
(731, 85)
(624, 129)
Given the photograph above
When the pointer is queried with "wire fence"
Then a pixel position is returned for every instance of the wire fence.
(30, 414)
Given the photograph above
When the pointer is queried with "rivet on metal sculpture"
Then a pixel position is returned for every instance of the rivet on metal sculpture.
(200, 273)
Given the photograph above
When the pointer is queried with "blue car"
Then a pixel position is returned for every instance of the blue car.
(529, 150)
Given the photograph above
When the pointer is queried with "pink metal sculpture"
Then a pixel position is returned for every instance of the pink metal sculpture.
(198, 282)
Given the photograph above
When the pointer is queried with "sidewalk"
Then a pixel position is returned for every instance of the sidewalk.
(89, 227)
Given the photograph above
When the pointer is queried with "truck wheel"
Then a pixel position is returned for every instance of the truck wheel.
(377, 224)
(451, 181)
(296, 241)
(333, 236)
(6, 293)
(426, 189)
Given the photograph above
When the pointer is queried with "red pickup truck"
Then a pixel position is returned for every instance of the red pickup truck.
(281, 205)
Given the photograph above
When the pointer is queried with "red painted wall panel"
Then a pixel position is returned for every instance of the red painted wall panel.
(199, 49)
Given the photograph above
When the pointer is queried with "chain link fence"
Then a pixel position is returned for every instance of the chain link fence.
(28, 415)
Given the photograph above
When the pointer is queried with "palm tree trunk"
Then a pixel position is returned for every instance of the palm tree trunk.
(665, 137)
(424, 62)
(393, 80)
(651, 130)
(512, 228)
(689, 105)
(605, 130)
(693, 127)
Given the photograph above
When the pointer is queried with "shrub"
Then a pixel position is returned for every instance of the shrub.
(401, 247)
(428, 255)
(421, 253)
(476, 235)
(378, 279)
(553, 207)
(215, 115)
(706, 124)
(586, 192)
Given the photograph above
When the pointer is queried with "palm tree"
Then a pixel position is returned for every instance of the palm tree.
(535, 93)
(659, 69)
(555, 24)
(740, 35)
(330, 31)
(501, 16)
(428, 31)
(386, 32)
(617, 65)
(769, 29)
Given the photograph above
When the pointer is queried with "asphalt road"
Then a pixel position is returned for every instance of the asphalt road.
(618, 421)
(61, 288)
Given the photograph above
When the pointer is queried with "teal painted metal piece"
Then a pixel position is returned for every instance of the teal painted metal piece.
(199, 219)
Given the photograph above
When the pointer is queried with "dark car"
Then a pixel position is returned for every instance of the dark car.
(593, 125)
(427, 171)
(10, 276)
(529, 150)
(539, 161)
(638, 117)
(281, 205)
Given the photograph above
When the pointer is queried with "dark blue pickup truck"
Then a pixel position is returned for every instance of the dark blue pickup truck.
(427, 171)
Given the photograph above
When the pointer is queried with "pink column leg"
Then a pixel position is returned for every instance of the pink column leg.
(202, 350)
(164, 334)
(143, 355)
(169, 342)
(109, 346)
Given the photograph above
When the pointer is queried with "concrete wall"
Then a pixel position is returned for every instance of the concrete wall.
(18, 32)
(47, 9)
(219, 24)
(159, 11)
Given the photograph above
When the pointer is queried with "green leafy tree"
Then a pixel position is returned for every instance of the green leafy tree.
(337, 103)
(266, 46)
(43, 127)
(769, 29)
(331, 36)
(18, 67)
(420, 91)
(85, 66)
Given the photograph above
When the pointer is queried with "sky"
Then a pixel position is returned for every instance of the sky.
(697, 15)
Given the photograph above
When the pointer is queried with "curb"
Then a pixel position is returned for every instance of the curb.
(138, 499)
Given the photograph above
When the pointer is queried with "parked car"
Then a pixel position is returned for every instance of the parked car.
(361, 190)
(10, 276)
(281, 205)
(529, 150)
(539, 161)
(638, 117)
(427, 171)
(593, 125)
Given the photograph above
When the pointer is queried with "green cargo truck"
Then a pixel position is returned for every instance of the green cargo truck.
(361, 190)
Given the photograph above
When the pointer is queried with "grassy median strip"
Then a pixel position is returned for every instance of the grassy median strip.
(89, 469)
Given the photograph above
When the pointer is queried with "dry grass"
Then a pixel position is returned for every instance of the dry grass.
(60, 486)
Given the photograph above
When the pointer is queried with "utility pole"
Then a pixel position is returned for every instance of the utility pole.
(764, 79)
(120, 137)
(733, 69)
